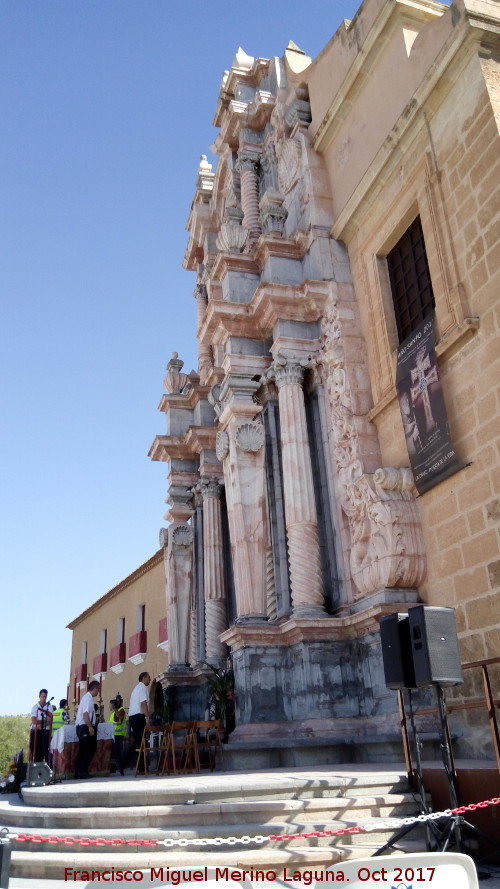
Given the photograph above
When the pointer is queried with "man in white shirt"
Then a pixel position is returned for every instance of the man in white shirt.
(138, 717)
(86, 730)
(41, 724)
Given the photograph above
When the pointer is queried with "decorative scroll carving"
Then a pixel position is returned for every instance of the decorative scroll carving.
(214, 398)
(250, 437)
(387, 546)
(272, 213)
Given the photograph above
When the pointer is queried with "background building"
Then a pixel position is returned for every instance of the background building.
(121, 635)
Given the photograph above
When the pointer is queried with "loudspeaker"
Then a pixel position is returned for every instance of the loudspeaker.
(38, 774)
(4, 862)
(434, 644)
(396, 651)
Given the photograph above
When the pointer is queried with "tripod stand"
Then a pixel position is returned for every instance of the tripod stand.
(432, 831)
(449, 830)
(455, 827)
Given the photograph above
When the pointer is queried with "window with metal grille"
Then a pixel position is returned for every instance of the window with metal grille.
(410, 279)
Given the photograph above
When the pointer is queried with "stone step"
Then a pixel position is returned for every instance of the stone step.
(325, 782)
(50, 865)
(31, 818)
(80, 838)
(197, 807)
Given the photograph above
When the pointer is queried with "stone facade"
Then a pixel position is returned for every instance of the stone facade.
(296, 514)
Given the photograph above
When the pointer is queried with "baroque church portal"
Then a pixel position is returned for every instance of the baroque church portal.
(353, 197)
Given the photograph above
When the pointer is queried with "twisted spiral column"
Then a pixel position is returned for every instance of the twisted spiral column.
(205, 359)
(247, 165)
(213, 569)
(306, 578)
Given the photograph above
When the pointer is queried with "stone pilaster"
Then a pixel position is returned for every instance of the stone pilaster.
(179, 574)
(300, 508)
(213, 570)
(240, 447)
(247, 166)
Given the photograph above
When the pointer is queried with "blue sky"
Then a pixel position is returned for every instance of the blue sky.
(106, 107)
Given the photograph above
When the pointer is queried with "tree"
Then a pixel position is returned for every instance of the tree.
(14, 735)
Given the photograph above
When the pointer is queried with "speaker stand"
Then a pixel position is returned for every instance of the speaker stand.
(433, 835)
(455, 828)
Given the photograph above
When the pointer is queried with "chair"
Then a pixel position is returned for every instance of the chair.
(154, 743)
(183, 748)
(208, 742)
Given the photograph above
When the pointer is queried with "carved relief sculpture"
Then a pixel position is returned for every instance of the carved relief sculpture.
(387, 546)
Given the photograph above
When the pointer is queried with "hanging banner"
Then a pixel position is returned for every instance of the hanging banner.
(432, 455)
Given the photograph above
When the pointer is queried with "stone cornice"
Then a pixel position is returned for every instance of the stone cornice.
(186, 447)
(294, 630)
(185, 401)
(266, 247)
(256, 319)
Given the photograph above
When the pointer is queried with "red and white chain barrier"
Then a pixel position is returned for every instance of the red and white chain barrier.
(380, 824)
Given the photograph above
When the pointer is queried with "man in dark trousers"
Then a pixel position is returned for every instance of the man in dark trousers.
(138, 717)
(86, 730)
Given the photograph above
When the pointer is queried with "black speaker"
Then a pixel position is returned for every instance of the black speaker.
(396, 651)
(4, 862)
(38, 774)
(434, 644)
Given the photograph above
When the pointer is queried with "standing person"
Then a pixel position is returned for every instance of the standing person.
(60, 717)
(41, 724)
(86, 730)
(138, 717)
(119, 719)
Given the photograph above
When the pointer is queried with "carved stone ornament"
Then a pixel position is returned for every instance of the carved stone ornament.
(222, 445)
(387, 545)
(163, 537)
(231, 238)
(182, 535)
(210, 487)
(250, 437)
(175, 382)
(387, 540)
(273, 214)
(289, 156)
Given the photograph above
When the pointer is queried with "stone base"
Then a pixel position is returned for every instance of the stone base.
(309, 742)
(385, 596)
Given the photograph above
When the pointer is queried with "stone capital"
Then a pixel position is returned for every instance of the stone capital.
(287, 371)
(246, 161)
(210, 487)
(200, 292)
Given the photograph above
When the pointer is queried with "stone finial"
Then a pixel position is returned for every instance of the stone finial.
(175, 382)
(205, 180)
(242, 60)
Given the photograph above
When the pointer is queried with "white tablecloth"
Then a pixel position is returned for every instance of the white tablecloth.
(67, 735)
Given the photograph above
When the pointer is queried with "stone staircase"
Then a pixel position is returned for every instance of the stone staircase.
(222, 804)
